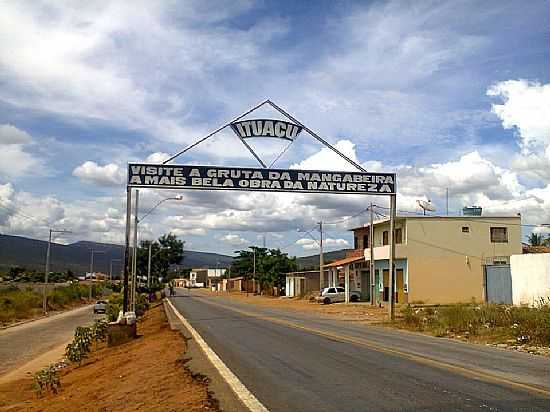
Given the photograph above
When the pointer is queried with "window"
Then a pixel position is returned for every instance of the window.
(385, 238)
(340, 290)
(331, 290)
(465, 229)
(499, 235)
(365, 241)
(355, 245)
(399, 235)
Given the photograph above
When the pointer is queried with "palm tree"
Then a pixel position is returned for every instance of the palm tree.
(535, 239)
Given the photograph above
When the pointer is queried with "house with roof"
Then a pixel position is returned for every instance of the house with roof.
(438, 259)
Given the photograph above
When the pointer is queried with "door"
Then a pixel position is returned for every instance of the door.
(498, 284)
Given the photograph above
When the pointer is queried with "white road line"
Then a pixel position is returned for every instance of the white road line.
(249, 400)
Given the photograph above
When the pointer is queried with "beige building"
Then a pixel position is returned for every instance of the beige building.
(438, 259)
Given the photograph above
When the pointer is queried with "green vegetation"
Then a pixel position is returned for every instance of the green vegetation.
(46, 380)
(168, 250)
(78, 349)
(21, 274)
(271, 266)
(537, 239)
(484, 322)
(18, 304)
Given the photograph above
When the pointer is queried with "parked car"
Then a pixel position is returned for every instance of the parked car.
(100, 306)
(337, 294)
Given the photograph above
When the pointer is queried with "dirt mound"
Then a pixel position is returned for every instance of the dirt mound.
(146, 374)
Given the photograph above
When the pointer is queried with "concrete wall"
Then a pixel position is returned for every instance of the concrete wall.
(530, 278)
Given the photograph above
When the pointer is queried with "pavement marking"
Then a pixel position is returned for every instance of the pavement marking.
(468, 372)
(246, 397)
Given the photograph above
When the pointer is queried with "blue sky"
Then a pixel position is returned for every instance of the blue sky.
(447, 94)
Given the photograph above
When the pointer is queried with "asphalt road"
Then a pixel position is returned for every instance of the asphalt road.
(300, 362)
(21, 344)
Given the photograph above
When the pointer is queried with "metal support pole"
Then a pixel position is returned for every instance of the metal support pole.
(391, 277)
(371, 261)
(321, 258)
(91, 272)
(134, 269)
(46, 273)
(346, 282)
(127, 248)
(149, 266)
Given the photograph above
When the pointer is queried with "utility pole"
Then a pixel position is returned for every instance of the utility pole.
(321, 258)
(149, 266)
(391, 273)
(47, 270)
(447, 198)
(253, 271)
(111, 268)
(371, 261)
(134, 263)
(92, 269)
(46, 273)
(127, 248)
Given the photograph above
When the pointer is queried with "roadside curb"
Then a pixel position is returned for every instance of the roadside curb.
(23, 322)
(242, 393)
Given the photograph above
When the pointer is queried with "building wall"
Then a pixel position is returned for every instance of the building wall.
(445, 265)
(530, 278)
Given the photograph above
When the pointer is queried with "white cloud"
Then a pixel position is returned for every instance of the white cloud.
(14, 160)
(527, 107)
(12, 135)
(233, 239)
(198, 231)
(327, 159)
(329, 243)
(157, 157)
(107, 175)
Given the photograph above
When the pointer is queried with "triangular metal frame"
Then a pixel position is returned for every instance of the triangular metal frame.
(285, 114)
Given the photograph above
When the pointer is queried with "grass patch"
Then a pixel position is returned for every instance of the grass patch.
(491, 323)
(17, 304)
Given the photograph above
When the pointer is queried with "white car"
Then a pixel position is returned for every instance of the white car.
(337, 294)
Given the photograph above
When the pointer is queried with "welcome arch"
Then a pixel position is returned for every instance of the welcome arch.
(265, 178)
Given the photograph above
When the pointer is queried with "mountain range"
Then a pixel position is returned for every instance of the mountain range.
(31, 254)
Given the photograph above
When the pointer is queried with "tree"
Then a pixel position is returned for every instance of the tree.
(271, 266)
(168, 250)
(535, 239)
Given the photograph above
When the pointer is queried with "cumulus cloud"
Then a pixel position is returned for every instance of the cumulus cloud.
(14, 160)
(327, 159)
(233, 239)
(526, 107)
(12, 135)
(329, 243)
(157, 157)
(107, 175)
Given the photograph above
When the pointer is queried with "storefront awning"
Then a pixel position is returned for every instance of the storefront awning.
(345, 261)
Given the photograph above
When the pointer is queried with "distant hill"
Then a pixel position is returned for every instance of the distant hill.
(31, 254)
(312, 262)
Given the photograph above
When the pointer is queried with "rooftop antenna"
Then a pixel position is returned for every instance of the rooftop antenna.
(426, 206)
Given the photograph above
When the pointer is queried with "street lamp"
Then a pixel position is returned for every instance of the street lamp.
(178, 197)
(137, 220)
(92, 267)
(47, 271)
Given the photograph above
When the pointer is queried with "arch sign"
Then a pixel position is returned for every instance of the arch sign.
(266, 179)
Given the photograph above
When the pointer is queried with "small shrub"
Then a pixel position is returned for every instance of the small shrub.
(47, 380)
(99, 330)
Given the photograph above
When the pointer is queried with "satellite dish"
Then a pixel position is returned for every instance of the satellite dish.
(426, 205)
